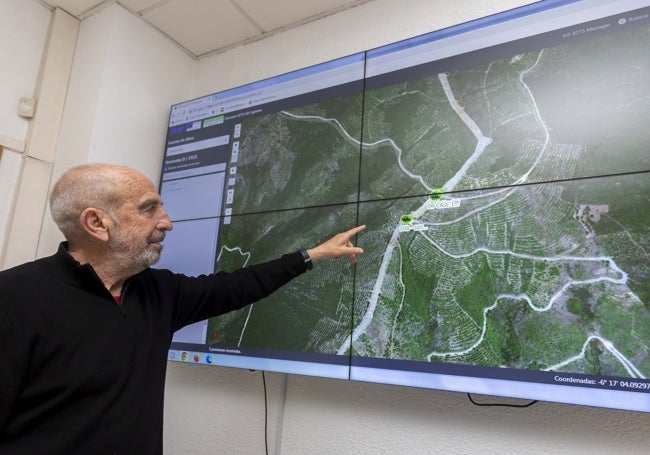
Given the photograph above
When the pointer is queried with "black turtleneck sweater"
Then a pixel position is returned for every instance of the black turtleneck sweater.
(82, 375)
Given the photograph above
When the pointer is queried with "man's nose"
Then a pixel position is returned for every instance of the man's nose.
(165, 223)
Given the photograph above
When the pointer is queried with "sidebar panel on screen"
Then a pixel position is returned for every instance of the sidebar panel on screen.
(193, 183)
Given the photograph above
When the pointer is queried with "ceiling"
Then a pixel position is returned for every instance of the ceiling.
(206, 27)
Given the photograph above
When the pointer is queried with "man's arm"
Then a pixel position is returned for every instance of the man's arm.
(224, 292)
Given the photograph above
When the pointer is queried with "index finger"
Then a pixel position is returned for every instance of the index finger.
(354, 231)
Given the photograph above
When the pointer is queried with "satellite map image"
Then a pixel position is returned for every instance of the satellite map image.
(507, 213)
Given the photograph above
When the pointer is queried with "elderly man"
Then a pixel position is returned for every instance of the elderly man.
(84, 333)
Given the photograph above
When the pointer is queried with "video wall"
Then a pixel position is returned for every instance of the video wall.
(502, 168)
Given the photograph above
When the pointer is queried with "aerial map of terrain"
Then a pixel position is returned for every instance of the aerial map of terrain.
(541, 269)
(288, 161)
(507, 213)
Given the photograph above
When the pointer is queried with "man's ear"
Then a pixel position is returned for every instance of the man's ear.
(96, 223)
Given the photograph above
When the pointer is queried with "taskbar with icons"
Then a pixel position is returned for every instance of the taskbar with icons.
(190, 357)
(337, 367)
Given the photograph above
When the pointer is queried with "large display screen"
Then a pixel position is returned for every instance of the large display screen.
(502, 168)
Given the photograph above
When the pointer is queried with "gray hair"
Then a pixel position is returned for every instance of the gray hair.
(100, 186)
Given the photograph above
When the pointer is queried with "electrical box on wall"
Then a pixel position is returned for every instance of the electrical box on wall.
(26, 107)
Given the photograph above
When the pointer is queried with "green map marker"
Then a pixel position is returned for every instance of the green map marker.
(436, 194)
(406, 219)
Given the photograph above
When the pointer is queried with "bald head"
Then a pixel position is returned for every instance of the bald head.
(102, 186)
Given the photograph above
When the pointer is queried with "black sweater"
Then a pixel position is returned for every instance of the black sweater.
(79, 374)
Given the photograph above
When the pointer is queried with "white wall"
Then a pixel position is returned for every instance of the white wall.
(124, 78)
(23, 30)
